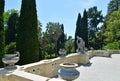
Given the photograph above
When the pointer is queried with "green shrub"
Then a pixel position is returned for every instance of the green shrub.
(10, 48)
(114, 45)
(53, 55)
(49, 56)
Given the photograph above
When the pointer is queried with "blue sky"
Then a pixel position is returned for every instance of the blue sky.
(62, 11)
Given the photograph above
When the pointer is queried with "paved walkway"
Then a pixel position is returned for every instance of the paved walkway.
(101, 69)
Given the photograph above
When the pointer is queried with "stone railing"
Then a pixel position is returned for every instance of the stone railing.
(45, 70)
(49, 68)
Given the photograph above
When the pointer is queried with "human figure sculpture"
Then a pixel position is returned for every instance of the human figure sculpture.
(81, 45)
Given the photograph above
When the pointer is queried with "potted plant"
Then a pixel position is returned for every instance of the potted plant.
(11, 55)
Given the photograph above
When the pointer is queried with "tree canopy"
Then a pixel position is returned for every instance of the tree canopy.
(11, 29)
(95, 17)
(113, 5)
(7, 15)
(112, 31)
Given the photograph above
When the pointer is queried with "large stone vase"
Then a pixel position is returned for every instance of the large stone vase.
(68, 71)
(10, 60)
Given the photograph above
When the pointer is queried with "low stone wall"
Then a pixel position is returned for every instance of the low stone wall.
(46, 69)
(50, 67)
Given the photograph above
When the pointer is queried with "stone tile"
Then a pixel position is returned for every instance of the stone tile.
(101, 69)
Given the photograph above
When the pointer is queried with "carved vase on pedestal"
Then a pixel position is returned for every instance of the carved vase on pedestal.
(68, 71)
(11, 59)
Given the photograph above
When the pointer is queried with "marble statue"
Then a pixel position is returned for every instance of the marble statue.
(81, 45)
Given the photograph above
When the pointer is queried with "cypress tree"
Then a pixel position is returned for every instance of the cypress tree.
(2, 37)
(27, 36)
(78, 30)
(62, 37)
(84, 32)
(11, 31)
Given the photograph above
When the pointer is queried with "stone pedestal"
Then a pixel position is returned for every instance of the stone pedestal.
(91, 54)
(84, 58)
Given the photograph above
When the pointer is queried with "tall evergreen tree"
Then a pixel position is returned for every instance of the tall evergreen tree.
(11, 30)
(95, 17)
(113, 5)
(78, 30)
(2, 37)
(84, 32)
(27, 36)
(62, 37)
(7, 15)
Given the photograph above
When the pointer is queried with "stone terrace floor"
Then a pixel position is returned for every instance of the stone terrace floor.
(101, 69)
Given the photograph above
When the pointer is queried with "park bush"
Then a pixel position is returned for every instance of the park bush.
(49, 56)
(114, 45)
(10, 48)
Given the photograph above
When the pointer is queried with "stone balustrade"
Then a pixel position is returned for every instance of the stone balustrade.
(46, 69)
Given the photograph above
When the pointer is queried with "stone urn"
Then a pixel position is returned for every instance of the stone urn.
(10, 60)
(68, 71)
(62, 52)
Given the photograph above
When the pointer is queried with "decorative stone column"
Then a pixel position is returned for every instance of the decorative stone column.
(84, 58)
